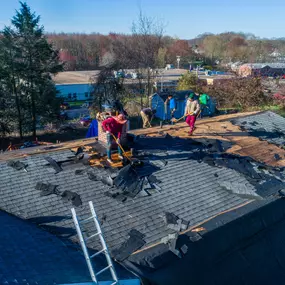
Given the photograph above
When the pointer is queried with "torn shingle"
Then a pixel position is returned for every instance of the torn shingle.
(46, 189)
(168, 238)
(73, 197)
(134, 242)
(170, 218)
(53, 164)
(174, 223)
(194, 236)
(17, 165)
(184, 248)
(79, 171)
(172, 247)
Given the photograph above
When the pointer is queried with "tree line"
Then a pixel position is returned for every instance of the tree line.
(92, 51)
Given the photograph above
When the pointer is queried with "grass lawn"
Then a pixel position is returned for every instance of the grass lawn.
(76, 103)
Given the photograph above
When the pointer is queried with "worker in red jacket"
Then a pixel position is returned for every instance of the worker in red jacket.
(114, 126)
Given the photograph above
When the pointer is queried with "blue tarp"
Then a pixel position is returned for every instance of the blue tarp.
(93, 129)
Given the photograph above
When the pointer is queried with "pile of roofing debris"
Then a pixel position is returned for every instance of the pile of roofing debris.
(129, 181)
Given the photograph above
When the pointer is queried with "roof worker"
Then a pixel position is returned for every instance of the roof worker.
(204, 100)
(147, 115)
(172, 106)
(191, 111)
(113, 127)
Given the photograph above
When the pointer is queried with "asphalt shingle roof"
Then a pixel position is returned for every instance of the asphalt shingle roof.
(266, 126)
(191, 190)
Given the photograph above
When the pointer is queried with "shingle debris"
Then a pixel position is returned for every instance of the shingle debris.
(175, 223)
(54, 164)
(129, 181)
(47, 188)
(134, 242)
(184, 248)
(257, 174)
(194, 236)
(73, 197)
(17, 165)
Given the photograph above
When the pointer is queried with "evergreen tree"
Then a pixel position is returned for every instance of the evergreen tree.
(188, 81)
(10, 82)
(31, 63)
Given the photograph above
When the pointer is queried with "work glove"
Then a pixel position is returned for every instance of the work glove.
(107, 132)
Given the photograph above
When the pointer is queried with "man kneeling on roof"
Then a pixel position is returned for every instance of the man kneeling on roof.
(191, 111)
(113, 127)
(147, 115)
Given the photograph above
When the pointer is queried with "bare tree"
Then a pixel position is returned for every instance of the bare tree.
(147, 34)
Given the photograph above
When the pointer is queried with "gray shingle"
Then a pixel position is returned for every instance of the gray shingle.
(266, 126)
(189, 190)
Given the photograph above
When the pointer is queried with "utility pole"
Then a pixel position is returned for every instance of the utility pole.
(161, 82)
(178, 60)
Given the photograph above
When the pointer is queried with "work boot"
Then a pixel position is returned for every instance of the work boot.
(109, 160)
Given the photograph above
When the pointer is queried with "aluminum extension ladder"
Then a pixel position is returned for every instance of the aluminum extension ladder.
(88, 258)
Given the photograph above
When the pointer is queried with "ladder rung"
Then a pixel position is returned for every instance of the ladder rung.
(93, 236)
(97, 253)
(86, 220)
(104, 269)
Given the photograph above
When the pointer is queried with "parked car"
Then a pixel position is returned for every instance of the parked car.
(128, 76)
(85, 121)
(64, 106)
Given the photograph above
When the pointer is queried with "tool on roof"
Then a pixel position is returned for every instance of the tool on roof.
(122, 149)
(177, 120)
(78, 224)
(132, 161)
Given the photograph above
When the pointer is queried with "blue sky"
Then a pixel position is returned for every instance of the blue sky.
(183, 18)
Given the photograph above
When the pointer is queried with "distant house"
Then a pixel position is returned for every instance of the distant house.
(263, 69)
(158, 100)
(74, 92)
(75, 85)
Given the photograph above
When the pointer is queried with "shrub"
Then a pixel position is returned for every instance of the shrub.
(240, 93)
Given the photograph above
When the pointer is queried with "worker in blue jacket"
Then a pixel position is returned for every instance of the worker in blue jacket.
(172, 106)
